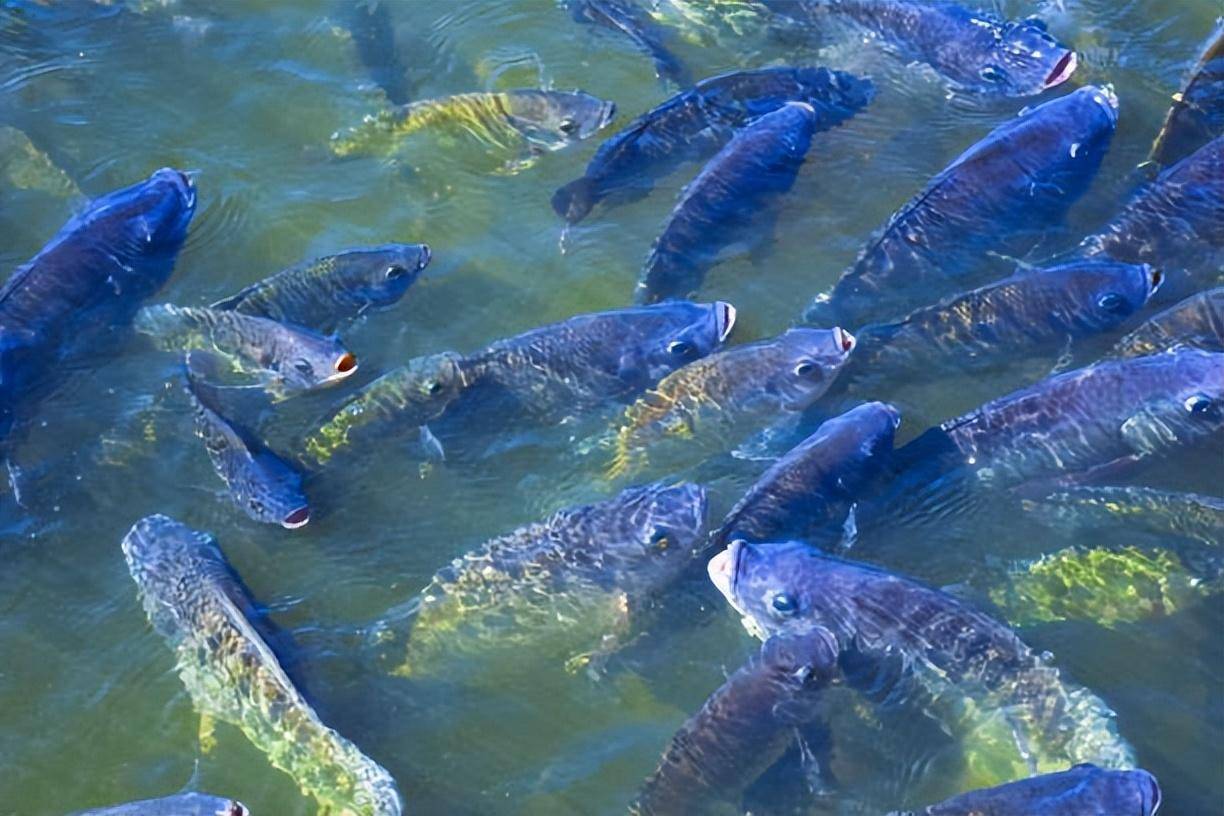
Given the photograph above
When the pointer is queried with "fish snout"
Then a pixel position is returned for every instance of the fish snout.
(844, 339)
(724, 316)
(296, 518)
(1155, 277)
(1063, 70)
(425, 257)
(346, 364)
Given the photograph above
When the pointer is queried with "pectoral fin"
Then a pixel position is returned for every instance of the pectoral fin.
(208, 736)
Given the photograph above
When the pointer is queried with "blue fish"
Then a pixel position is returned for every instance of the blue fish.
(183, 804)
(623, 16)
(1197, 114)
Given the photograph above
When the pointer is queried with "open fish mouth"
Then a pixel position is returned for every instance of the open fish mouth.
(346, 366)
(425, 257)
(723, 569)
(296, 518)
(606, 114)
(1062, 70)
(1155, 279)
(844, 339)
(725, 319)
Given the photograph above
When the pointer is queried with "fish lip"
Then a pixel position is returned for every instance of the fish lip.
(296, 518)
(1155, 278)
(724, 318)
(425, 258)
(724, 568)
(607, 113)
(345, 366)
(844, 339)
(1063, 70)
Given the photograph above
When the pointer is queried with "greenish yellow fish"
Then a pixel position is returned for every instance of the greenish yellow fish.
(24, 167)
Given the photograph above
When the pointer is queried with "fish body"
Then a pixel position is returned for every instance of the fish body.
(1020, 179)
(373, 33)
(568, 584)
(759, 163)
(402, 400)
(293, 358)
(695, 124)
(1084, 790)
(623, 17)
(184, 804)
(1163, 512)
(24, 167)
(810, 491)
(974, 51)
(324, 293)
(198, 603)
(743, 727)
(1197, 114)
(504, 120)
(1197, 321)
(976, 675)
(91, 277)
(731, 393)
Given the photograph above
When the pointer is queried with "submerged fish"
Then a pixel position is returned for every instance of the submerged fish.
(973, 50)
(260, 483)
(1163, 512)
(198, 603)
(567, 587)
(695, 124)
(729, 394)
(291, 358)
(743, 727)
(810, 492)
(1017, 181)
(549, 120)
(1197, 114)
(184, 804)
(1084, 790)
(369, 22)
(964, 668)
(326, 292)
(91, 277)
(24, 167)
(401, 401)
(760, 162)
(1197, 321)
(634, 23)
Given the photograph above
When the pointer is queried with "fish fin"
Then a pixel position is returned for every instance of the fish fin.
(513, 167)
(574, 201)
(208, 734)
(15, 478)
(816, 777)
(230, 303)
(624, 457)
(431, 446)
(850, 529)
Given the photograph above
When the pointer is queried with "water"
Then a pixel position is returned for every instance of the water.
(247, 95)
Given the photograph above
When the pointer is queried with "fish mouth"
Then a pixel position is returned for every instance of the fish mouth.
(1062, 70)
(844, 339)
(606, 114)
(296, 518)
(346, 365)
(425, 257)
(1155, 279)
(723, 570)
(724, 318)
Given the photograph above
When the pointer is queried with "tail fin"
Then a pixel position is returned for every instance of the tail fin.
(573, 201)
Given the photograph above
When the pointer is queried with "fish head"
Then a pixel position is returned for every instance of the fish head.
(1108, 292)
(380, 275)
(557, 118)
(167, 560)
(271, 493)
(233, 808)
(1024, 60)
(652, 530)
(807, 363)
(313, 360)
(431, 383)
(1189, 410)
(824, 88)
(663, 337)
(774, 585)
(147, 218)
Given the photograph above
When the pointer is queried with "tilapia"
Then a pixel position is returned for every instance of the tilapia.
(1015, 183)
(1162, 512)
(622, 16)
(24, 167)
(1084, 790)
(199, 604)
(726, 396)
(695, 124)
(810, 492)
(373, 32)
(759, 163)
(743, 727)
(327, 292)
(566, 588)
(1197, 321)
(1013, 713)
(290, 358)
(1197, 114)
(184, 804)
(974, 50)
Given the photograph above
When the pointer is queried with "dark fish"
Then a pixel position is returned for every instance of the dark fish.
(1197, 321)
(24, 167)
(975, 51)
(632, 21)
(695, 124)
(91, 277)
(198, 603)
(1163, 512)
(809, 493)
(1030, 312)
(260, 483)
(1018, 181)
(567, 586)
(1084, 790)
(760, 162)
(1019, 707)
(1197, 114)
(743, 728)
(369, 22)
(184, 804)
(324, 293)
(1175, 223)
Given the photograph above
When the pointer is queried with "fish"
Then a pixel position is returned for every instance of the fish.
(197, 602)
(1163, 512)
(811, 491)
(290, 358)
(1197, 113)
(759, 163)
(184, 804)
(744, 726)
(1016, 182)
(24, 167)
(1084, 790)
(1176, 223)
(403, 399)
(969, 671)
(729, 394)
(623, 17)
(325, 293)
(259, 482)
(373, 32)
(91, 277)
(1030, 312)
(974, 51)
(569, 586)
(503, 120)
(695, 124)
(1197, 321)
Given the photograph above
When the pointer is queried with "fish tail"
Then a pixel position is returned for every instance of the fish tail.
(378, 134)
(625, 457)
(573, 201)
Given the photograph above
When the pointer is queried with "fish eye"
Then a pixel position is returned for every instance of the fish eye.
(1112, 302)
(807, 370)
(992, 73)
(784, 604)
(395, 271)
(1200, 405)
(659, 538)
(304, 367)
(567, 126)
(433, 387)
(679, 348)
